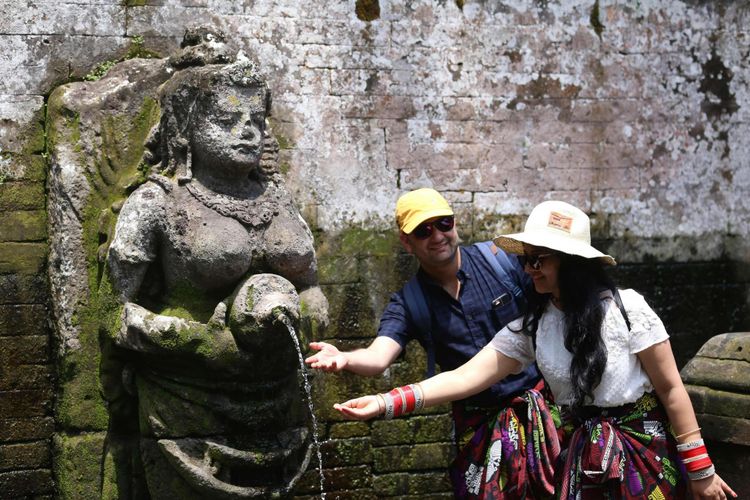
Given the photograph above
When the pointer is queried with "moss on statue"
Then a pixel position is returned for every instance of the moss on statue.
(77, 464)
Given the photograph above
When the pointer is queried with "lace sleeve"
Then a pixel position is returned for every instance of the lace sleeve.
(514, 345)
(646, 329)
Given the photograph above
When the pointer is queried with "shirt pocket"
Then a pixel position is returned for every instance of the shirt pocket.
(504, 309)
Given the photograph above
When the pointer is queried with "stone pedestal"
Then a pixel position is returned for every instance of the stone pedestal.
(718, 381)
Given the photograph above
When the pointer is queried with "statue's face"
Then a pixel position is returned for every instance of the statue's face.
(227, 131)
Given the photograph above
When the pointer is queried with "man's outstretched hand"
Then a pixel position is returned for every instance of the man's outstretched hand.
(328, 358)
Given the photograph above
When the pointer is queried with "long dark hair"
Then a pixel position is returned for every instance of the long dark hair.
(581, 283)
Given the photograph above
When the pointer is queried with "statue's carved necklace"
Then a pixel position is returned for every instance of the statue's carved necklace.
(255, 213)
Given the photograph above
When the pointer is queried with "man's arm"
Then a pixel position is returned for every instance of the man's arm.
(372, 360)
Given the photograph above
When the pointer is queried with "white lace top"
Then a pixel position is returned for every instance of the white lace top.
(623, 380)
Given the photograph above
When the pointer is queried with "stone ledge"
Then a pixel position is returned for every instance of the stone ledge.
(724, 429)
(714, 402)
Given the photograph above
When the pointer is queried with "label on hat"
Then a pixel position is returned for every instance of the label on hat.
(560, 221)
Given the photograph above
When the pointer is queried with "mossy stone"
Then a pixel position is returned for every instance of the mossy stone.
(22, 196)
(77, 465)
(22, 258)
(25, 225)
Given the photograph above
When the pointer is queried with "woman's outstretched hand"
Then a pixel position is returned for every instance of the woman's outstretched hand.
(712, 487)
(363, 408)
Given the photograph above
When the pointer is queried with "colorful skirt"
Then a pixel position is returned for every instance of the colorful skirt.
(529, 450)
(511, 455)
(624, 452)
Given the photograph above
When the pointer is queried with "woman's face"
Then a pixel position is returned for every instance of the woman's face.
(546, 276)
(227, 131)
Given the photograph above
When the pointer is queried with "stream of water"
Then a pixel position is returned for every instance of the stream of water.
(308, 391)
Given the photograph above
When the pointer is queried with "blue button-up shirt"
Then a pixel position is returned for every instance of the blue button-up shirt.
(461, 328)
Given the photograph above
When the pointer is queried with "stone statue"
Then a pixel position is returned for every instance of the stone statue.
(210, 260)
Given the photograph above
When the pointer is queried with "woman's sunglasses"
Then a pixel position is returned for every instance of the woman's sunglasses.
(425, 229)
(534, 261)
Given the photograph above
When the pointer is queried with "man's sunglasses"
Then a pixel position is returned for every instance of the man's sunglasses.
(534, 261)
(425, 229)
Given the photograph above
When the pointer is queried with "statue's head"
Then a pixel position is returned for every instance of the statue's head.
(214, 117)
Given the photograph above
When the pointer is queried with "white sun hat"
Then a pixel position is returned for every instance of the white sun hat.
(558, 226)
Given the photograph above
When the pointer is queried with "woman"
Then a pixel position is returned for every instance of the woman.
(606, 361)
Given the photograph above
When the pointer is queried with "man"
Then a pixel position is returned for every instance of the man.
(469, 300)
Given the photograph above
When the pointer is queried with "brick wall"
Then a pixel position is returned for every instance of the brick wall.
(26, 363)
(637, 112)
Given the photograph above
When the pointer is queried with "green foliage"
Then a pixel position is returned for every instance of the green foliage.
(136, 50)
(100, 71)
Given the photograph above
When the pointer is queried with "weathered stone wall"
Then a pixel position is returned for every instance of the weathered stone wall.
(635, 111)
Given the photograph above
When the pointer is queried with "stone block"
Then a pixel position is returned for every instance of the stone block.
(78, 464)
(344, 430)
(22, 258)
(401, 484)
(24, 377)
(23, 320)
(22, 129)
(338, 479)
(731, 430)
(26, 403)
(35, 455)
(23, 288)
(346, 452)
(412, 430)
(21, 226)
(26, 429)
(102, 19)
(56, 59)
(381, 107)
(416, 457)
(26, 483)
(22, 196)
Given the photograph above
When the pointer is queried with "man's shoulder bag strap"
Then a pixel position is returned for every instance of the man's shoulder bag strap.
(419, 312)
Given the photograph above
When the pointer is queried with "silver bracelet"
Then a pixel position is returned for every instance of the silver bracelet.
(702, 474)
(388, 406)
(691, 445)
(418, 397)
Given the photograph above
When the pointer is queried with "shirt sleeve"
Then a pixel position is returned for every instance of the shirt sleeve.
(394, 323)
(646, 329)
(516, 345)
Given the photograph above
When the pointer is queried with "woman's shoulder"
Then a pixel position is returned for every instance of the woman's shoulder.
(632, 300)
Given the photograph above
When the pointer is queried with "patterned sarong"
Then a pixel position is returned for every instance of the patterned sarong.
(513, 455)
(624, 452)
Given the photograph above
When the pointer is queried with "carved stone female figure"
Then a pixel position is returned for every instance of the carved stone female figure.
(210, 259)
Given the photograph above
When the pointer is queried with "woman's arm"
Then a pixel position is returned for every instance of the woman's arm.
(660, 366)
(484, 369)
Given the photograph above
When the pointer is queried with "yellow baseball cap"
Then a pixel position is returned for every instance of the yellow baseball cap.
(415, 207)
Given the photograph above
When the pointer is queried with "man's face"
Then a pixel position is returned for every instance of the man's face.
(438, 248)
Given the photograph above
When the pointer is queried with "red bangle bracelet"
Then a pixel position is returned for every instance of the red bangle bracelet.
(693, 453)
(410, 399)
(699, 464)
